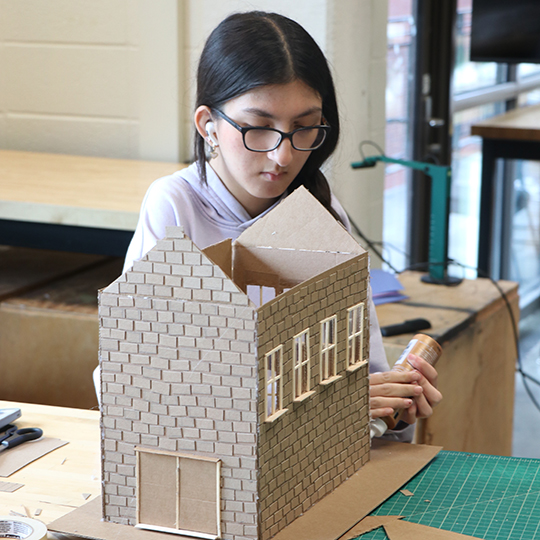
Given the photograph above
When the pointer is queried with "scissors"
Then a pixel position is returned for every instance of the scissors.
(12, 436)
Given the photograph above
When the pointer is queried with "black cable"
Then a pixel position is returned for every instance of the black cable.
(519, 369)
(371, 245)
(369, 143)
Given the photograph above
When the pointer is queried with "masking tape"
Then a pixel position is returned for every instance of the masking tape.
(22, 528)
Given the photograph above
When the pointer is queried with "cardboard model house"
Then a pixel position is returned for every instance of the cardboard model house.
(225, 416)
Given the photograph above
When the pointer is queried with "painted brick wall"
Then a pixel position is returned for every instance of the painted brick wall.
(320, 442)
(179, 373)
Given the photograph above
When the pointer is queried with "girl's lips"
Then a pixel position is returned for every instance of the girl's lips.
(273, 176)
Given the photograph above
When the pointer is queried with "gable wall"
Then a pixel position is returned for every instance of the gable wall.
(320, 442)
(179, 373)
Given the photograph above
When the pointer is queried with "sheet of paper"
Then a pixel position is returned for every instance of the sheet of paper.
(385, 286)
(16, 458)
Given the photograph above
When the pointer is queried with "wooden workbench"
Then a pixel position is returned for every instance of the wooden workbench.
(477, 369)
(75, 190)
(64, 479)
(73, 203)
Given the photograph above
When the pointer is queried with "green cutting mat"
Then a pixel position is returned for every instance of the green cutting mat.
(491, 497)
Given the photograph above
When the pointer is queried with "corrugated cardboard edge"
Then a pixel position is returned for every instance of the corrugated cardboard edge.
(392, 464)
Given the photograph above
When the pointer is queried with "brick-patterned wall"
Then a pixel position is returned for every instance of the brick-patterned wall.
(179, 373)
(320, 442)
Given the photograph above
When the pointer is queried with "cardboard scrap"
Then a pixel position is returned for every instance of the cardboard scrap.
(368, 524)
(403, 530)
(10, 487)
(406, 492)
(20, 456)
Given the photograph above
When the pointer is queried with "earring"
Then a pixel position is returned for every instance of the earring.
(213, 149)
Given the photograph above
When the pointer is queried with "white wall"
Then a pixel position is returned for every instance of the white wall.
(92, 77)
(115, 78)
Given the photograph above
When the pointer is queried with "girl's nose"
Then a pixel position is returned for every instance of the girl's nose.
(283, 154)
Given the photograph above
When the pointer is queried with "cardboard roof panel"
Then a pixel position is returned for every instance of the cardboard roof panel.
(300, 222)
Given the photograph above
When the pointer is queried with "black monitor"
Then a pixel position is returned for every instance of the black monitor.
(505, 31)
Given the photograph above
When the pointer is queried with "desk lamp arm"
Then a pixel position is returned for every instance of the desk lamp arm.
(441, 177)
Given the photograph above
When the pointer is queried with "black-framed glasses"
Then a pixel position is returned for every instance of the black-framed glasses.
(264, 139)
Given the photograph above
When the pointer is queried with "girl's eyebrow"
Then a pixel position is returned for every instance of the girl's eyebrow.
(265, 114)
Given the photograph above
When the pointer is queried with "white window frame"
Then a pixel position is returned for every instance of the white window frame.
(355, 336)
(328, 348)
(274, 384)
(301, 362)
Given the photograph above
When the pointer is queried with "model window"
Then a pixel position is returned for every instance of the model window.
(328, 348)
(274, 381)
(355, 345)
(301, 371)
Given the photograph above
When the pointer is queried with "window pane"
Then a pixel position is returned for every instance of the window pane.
(358, 348)
(465, 195)
(527, 70)
(400, 34)
(529, 98)
(525, 243)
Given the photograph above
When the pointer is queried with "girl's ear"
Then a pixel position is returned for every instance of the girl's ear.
(201, 118)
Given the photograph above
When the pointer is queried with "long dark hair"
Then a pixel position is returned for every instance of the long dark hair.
(253, 49)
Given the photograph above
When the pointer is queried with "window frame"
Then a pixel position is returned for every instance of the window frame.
(298, 366)
(357, 312)
(272, 409)
(327, 347)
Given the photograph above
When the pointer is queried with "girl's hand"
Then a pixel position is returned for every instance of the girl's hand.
(415, 391)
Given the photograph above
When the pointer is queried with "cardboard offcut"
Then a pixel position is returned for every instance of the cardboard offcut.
(16, 458)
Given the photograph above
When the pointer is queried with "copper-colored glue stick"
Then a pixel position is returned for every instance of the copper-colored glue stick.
(426, 348)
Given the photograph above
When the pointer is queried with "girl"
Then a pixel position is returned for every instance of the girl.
(266, 109)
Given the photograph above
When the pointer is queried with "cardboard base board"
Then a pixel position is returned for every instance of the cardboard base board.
(85, 522)
(391, 465)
